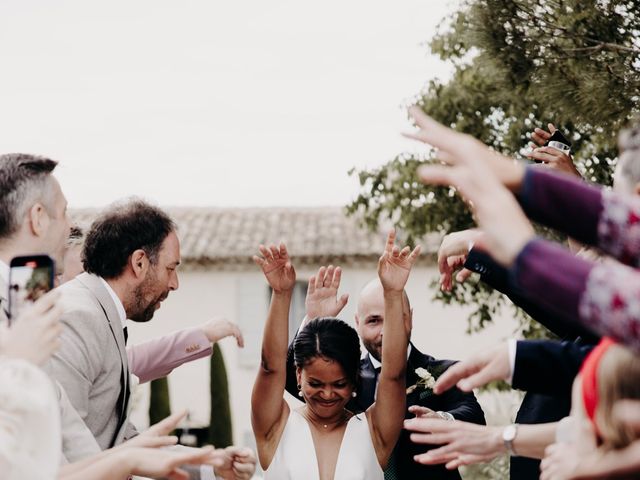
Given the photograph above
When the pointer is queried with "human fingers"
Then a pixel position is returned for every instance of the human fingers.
(258, 261)
(436, 134)
(320, 277)
(275, 252)
(391, 241)
(237, 334)
(163, 427)
(455, 373)
(337, 276)
(404, 253)
(540, 136)
(328, 277)
(311, 287)
(419, 410)
(266, 253)
(282, 250)
(463, 275)
(155, 442)
(552, 128)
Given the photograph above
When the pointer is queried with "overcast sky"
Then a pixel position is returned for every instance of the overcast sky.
(203, 102)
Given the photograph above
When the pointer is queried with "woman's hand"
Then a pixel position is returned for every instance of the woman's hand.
(276, 266)
(242, 465)
(322, 294)
(395, 265)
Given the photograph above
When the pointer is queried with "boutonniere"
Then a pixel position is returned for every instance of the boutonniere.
(426, 382)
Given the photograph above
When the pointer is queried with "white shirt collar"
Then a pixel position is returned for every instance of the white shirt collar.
(119, 307)
(376, 364)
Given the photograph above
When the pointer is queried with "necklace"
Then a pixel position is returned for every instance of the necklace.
(325, 426)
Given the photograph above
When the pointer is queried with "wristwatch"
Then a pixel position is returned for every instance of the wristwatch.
(445, 416)
(508, 436)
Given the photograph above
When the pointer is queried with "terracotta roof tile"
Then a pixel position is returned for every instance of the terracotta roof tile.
(228, 237)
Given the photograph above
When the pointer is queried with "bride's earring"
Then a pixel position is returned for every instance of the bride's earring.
(354, 394)
(299, 390)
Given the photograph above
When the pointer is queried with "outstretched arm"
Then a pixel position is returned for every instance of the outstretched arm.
(268, 408)
(387, 413)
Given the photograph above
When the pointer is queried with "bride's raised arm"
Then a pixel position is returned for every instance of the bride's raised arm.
(387, 413)
(268, 407)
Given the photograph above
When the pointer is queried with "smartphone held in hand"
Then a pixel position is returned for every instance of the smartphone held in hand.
(559, 142)
(30, 277)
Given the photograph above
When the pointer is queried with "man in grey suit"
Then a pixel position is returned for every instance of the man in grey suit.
(33, 220)
(131, 254)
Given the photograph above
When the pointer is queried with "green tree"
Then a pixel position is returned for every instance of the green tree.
(517, 65)
(159, 402)
(220, 430)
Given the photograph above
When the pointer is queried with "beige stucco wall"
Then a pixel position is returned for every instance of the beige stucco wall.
(242, 297)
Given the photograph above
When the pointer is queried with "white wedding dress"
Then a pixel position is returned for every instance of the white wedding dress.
(295, 457)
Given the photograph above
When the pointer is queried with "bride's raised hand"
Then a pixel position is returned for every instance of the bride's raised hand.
(277, 268)
(395, 265)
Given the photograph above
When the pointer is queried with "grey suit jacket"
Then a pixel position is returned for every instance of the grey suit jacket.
(77, 440)
(91, 364)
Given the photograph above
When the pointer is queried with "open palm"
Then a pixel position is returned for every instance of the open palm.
(322, 294)
(276, 266)
(395, 265)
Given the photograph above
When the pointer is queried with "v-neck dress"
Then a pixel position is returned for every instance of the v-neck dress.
(295, 457)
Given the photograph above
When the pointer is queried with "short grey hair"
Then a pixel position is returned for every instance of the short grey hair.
(24, 180)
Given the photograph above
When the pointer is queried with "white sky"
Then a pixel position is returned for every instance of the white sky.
(196, 102)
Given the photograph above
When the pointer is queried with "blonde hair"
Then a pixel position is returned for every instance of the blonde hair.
(618, 378)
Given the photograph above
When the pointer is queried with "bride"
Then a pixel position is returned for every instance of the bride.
(327, 357)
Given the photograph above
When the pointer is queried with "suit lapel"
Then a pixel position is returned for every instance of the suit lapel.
(367, 382)
(95, 285)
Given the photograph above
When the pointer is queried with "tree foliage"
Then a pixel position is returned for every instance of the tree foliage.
(220, 430)
(517, 65)
(159, 401)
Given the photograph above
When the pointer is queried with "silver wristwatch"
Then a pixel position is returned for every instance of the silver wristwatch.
(508, 436)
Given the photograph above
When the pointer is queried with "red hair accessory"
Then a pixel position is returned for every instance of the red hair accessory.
(589, 374)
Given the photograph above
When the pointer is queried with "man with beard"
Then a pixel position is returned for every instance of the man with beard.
(130, 257)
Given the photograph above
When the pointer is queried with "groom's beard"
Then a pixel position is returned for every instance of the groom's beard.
(374, 349)
(144, 312)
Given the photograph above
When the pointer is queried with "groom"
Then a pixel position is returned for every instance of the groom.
(322, 301)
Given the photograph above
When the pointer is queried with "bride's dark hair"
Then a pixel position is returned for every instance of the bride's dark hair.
(329, 338)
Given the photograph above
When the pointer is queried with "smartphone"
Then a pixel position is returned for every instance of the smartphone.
(557, 136)
(30, 277)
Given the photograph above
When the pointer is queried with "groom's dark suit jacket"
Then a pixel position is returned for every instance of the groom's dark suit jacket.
(463, 406)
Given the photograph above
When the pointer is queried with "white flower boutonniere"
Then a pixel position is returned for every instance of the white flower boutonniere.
(426, 382)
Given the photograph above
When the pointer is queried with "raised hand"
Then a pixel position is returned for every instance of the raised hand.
(480, 176)
(395, 265)
(277, 268)
(452, 254)
(219, 328)
(322, 293)
(455, 148)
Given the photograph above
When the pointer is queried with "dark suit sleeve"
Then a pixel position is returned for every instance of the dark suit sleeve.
(548, 367)
(498, 278)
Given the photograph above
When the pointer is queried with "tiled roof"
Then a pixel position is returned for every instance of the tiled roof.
(228, 237)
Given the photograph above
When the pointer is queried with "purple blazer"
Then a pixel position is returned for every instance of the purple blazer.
(158, 357)
(605, 296)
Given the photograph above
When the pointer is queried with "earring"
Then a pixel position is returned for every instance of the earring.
(354, 394)
(299, 390)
